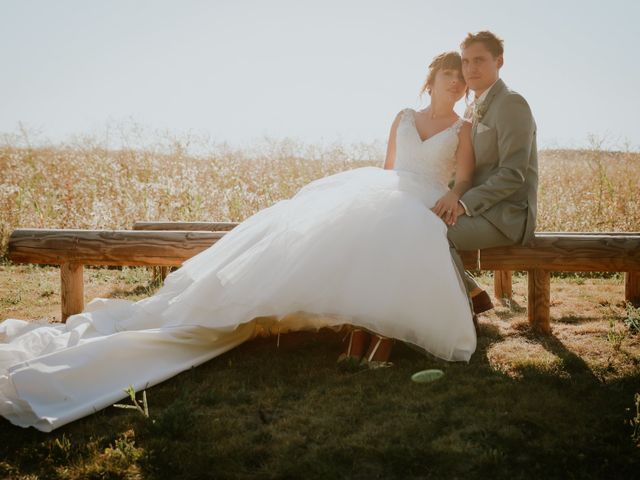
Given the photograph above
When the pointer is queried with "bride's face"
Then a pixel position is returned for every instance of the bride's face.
(449, 84)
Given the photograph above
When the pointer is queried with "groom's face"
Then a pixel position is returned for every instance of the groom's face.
(480, 67)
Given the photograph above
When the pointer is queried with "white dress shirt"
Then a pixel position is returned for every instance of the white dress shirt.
(484, 94)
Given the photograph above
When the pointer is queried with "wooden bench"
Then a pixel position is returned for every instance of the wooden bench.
(72, 249)
(161, 272)
(151, 244)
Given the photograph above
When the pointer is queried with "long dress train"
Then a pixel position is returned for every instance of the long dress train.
(359, 247)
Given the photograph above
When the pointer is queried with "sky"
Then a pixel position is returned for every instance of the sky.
(315, 71)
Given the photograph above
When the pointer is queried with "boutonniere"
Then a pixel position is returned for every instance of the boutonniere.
(479, 109)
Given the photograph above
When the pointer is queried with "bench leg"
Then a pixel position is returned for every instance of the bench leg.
(632, 288)
(159, 273)
(502, 286)
(164, 271)
(72, 289)
(539, 299)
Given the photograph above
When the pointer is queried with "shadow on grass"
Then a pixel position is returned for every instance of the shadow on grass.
(132, 292)
(573, 364)
(514, 309)
(577, 319)
(261, 411)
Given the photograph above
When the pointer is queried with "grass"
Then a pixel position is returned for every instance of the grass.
(88, 186)
(526, 406)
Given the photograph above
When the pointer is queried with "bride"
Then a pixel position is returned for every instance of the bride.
(365, 247)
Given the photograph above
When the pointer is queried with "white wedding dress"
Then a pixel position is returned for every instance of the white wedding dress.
(359, 247)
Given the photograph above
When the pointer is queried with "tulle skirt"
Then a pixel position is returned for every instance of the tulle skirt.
(360, 247)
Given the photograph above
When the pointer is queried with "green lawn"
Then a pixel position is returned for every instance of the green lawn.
(526, 406)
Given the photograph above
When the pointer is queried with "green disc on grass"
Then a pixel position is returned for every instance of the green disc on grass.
(426, 376)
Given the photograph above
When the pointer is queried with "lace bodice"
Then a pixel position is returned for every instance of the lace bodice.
(433, 158)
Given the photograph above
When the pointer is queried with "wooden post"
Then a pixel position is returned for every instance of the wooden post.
(539, 300)
(164, 271)
(72, 289)
(502, 286)
(632, 288)
(159, 273)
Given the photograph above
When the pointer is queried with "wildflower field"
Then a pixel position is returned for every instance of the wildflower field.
(86, 186)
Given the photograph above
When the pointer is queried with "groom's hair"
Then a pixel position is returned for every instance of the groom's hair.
(490, 40)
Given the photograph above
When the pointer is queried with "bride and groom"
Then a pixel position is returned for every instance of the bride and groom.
(373, 248)
(493, 201)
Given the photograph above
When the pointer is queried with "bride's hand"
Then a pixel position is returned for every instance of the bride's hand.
(447, 208)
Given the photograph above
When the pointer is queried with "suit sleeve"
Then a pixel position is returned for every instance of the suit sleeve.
(515, 128)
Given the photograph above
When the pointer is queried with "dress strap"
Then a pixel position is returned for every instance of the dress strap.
(408, 113)
(458, 125)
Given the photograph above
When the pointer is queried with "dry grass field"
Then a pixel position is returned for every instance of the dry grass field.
(526, 406)
(86, 186)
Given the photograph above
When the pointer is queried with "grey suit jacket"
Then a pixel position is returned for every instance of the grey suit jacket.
(505, 182)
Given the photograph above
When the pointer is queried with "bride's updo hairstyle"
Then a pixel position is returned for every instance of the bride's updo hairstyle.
(444, 61)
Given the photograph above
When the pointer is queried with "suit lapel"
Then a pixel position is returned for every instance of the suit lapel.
(497, 87)
(495, 90)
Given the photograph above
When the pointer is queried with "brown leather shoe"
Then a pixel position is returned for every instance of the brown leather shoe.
(481, 302)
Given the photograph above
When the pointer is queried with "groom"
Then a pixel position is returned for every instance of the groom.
(500, 208)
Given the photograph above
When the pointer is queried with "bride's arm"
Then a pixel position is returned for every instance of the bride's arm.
(447, 207)
(465, 161)
(391, 144)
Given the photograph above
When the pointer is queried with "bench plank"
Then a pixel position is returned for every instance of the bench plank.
(192, 226)
(570, 253)
(151, 245)
(108, 247)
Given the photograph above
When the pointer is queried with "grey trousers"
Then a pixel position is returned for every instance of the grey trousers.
(472, 233)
